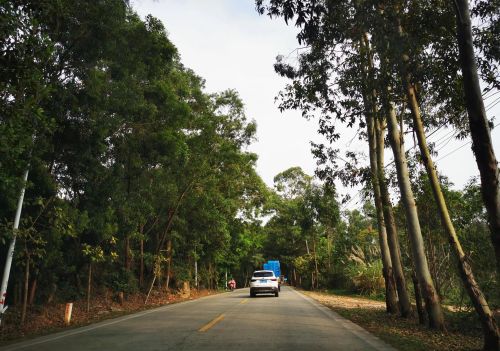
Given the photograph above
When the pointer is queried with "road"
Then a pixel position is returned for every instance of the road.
(229, 321)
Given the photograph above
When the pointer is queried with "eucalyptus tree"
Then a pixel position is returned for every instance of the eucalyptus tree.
(403, 58)
(26, 56)
(489, 13)
(391, 42)
(331, 33)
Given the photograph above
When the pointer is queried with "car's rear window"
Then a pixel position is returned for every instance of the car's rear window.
(263, 274)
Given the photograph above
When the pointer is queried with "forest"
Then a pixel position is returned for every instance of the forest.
(136, 180)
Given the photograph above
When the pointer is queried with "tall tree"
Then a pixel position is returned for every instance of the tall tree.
(478, 123)
(408, 84)
(369, 99)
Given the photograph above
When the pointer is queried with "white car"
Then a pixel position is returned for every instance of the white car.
(264, 282)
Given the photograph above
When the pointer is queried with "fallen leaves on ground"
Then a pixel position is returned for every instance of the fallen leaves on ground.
(463, 330)
(41, 320)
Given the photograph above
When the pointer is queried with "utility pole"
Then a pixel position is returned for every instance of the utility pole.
(10, 252)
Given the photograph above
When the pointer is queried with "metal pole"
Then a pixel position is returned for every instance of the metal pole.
(10, 252)
(226, 280)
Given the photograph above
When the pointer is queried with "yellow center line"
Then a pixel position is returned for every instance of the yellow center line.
(244, 301)
(211, 324)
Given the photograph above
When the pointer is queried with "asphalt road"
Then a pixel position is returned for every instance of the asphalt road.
(231, 322)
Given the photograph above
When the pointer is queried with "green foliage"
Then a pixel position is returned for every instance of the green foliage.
(121, 280)
(302, 230)
(366, 278)
(126, 151)
(132, 162)
(469, 216)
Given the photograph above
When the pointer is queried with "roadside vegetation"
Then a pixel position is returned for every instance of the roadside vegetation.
(49, 318)
(140, 184)
(463, 330)
(397, 70)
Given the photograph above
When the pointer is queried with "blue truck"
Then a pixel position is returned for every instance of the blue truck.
(275, 267)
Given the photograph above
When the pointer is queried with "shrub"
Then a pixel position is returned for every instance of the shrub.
(366, 278)
(122, 280)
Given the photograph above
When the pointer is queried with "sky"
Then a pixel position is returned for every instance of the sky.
(231, 46)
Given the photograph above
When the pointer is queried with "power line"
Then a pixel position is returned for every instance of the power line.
(493, 104)
(445, 136)
(344, 205)
(489, 107)
(448, 138)
(461, 146)
(494, 93)
(358, 194)
(453, 151)
(454, 134)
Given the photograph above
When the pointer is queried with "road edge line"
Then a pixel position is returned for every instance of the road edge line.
(352, 327)
(100, 324)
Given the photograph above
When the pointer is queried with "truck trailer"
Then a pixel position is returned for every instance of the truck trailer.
(275, 267)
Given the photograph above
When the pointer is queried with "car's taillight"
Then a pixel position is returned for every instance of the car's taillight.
(273, 279)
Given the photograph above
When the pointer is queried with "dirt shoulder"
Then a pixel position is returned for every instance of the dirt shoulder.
(463, 330)
(47, 319)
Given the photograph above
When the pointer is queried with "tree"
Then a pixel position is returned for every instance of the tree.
(478, 121)
(128, 148)
(301, 231)
(473, 289)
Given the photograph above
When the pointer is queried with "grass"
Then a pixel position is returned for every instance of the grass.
(463, 332)
(350, 293)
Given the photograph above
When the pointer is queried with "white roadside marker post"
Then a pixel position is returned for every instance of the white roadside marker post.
(67, 313)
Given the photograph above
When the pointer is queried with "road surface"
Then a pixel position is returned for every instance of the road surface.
(230, 322)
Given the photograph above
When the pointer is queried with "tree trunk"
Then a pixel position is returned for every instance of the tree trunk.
(209, 276)
(390, 224)
(52, 293)
(26, 287)
(17, 293)
(434, 311)
(34, 284)
(329, 249)
(316, 269)
(169, 262)
(371, 116)
(171, 216)
(418, 299)
(490, 329)
(141, 272)
(478, 123)
(391, 299)
(89, 283)
(150, 289)
(247, 278)
(128, 258)
(391, 296)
